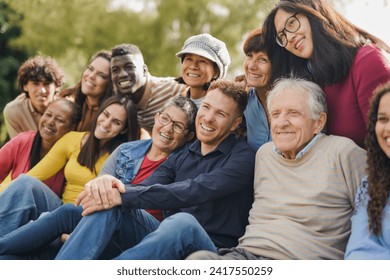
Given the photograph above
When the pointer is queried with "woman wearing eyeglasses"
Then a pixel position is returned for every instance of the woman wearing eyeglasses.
(131, 162)
(311, 40)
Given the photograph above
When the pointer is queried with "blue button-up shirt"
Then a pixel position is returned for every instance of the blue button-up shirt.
(216, 188)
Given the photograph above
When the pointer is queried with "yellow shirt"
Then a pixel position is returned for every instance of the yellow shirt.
(64, 153)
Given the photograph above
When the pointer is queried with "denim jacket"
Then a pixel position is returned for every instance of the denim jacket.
(363, 244)
(126, 160)
(258, 130)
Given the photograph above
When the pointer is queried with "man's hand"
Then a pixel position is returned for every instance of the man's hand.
(101, 193)
(90, 206)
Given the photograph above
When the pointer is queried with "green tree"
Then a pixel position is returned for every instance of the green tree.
(10, 58)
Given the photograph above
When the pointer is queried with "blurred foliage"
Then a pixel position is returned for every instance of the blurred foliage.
(10, 58)
(72, 30)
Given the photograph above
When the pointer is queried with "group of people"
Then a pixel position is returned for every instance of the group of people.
(289, 161)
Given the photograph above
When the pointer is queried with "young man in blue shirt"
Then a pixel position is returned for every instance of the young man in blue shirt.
(210, 180)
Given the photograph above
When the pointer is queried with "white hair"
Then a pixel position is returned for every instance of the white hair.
(316, 100)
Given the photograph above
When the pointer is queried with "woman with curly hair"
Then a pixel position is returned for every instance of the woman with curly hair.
(370, 238)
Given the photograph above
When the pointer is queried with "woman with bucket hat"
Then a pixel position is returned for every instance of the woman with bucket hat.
(204, 59)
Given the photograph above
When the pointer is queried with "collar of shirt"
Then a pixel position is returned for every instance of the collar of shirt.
(31, 107)
(305, 149)
(224, 147)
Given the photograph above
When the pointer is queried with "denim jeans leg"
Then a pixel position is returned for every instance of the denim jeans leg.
(177, 236)
(135, 225)
(46, 253)
(24, 200)
(39, 234)
(106, 231)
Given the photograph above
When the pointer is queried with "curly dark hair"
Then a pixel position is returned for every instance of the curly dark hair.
(378, 163)
(39, 68)
(123, 49)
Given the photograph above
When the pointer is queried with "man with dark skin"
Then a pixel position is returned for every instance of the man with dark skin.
(130, 77)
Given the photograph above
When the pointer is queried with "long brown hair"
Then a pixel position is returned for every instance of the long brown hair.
(91, 150)
(378, 166)
(80, 96)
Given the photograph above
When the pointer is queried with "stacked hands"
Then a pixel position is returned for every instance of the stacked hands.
(100, 194)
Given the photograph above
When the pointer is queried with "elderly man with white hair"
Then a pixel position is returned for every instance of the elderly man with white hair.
(305, 183)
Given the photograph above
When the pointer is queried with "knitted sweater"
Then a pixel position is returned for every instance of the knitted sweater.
(302, 207)
(349, 100)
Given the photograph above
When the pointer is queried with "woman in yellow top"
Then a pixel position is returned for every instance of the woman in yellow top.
(81, 154)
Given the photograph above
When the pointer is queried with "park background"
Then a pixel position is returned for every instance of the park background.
(72, 30)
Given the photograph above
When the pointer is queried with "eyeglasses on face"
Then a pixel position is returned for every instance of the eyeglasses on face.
(165, 119)
(292, 25)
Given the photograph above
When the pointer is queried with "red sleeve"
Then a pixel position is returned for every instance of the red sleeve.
(371, 69)
(14, 155)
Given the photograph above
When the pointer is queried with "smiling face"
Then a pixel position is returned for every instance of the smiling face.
(382, 126)
(41, 93)
(55, 121)
(257, 69)
(217, 117)
(292, 126)
(110, 122)
(300, 42)
(95, 78)
(164, 138)
(197, 70)
(128, 73)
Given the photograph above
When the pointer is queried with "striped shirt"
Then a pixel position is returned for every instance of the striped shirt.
(157, 92)
(302, 207)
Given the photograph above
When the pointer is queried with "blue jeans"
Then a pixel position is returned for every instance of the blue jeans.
(39, 239)
(135, 235)
(177, 236)
(106, 234)
(24, 200)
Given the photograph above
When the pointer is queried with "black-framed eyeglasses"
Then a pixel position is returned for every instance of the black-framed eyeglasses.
(292, 25)
(177, 127)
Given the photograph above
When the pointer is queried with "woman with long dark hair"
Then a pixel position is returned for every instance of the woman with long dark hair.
(81, 154)
(310, 39)
(371, 222)
(94, 87)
